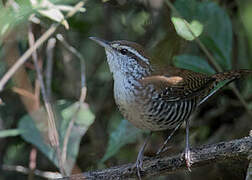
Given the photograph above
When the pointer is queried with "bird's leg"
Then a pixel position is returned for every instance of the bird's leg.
(139, 161)
(187, 148)
(163, 148)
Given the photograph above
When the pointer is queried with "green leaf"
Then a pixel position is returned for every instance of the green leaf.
(248, 87)
(137, 20)
(15, 153)
(217, 27)
(194, 63)
(82, 110)
(188, 31)
(125, 133)
(212, 46)
(9, 132)
(245, 12)
(35, 130)
(11, 17)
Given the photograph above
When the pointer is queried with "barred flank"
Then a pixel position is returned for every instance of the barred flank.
(231, 75)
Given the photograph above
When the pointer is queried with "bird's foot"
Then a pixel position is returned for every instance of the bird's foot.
(139, 166)
(139, 161)
(188, 160)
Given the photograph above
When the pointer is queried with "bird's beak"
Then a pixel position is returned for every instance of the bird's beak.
(101, 42)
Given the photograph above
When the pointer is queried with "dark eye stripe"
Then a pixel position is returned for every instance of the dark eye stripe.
(123, 51)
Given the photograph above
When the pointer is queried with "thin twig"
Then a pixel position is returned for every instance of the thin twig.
(52, 132)
(37, 44)
(49, 64)
(70, 126)
(55, 141)
(37, 93)
(69, 47)
(211, 60)
(82, 96)
(26, 55)
(25, 170)
(23, 92)
(235, 150)
(32, 163)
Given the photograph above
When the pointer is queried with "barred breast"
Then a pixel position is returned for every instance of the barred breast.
(145, 109)
(162, 115)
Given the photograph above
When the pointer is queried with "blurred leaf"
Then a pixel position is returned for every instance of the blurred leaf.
(2, 67)
(136, 20)
(79, 111)
(217, 26)
(68, 8)
(48, 9)
(219, 29)
(182, 28)
(125, 133)
(15, 152)
(248, 87)
(250, 105)
(246, 14)
(188, 9)
(35, 130)
(212, 46)
(139, 21)
(9, 132)
(13, 15)
(194, 63)
(32, 133)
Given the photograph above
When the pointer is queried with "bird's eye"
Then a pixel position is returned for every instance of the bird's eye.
(123, 51)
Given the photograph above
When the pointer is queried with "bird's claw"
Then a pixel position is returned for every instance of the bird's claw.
(139, 167)
(188, 160)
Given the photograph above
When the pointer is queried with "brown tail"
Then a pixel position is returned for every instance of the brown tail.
(231, 75)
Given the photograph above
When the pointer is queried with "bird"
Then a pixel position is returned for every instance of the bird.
(156, 98)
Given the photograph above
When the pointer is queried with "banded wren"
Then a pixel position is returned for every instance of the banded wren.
(157, 98)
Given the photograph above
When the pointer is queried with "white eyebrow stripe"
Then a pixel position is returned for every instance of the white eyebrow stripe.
(114, 45)
(133, 51)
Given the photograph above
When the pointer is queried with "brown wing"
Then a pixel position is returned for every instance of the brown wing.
(177, 84)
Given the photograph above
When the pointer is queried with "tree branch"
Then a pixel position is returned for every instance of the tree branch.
(238, 149)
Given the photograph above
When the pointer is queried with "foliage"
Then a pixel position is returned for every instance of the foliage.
(124, 134)
(35, 129)
(194, 63)
(188, 31)
(218, 40)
